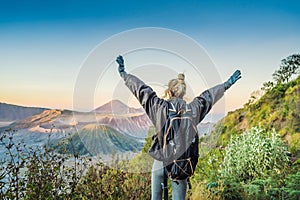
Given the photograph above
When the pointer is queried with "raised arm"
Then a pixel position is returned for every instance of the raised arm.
(144, 93)
(203, 103)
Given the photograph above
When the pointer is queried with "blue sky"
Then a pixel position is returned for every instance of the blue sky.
(43, 44)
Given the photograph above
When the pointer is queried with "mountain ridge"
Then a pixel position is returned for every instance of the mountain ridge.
(116, 107)
(11, 112)
(95, 139)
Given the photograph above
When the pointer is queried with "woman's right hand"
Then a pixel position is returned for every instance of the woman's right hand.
(233, 78)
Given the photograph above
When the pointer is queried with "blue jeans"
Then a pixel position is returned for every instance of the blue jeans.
(178, 187)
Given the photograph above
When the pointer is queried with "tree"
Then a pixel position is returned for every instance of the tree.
(289, 66)
(267, 86)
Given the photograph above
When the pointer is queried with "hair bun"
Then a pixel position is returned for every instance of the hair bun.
(180, 77)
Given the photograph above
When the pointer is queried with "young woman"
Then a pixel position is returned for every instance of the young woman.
(157, 110)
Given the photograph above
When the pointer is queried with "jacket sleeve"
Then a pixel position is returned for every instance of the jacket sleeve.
(202, 104)
(145, 95)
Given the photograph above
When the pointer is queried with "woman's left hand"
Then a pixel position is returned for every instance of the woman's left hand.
(121, 68)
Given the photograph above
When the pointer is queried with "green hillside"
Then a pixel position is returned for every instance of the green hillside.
(278, 108)
(96, 139)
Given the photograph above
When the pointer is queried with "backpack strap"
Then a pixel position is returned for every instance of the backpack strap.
(173, 109)
(187, 108)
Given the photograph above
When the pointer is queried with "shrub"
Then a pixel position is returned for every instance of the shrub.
(37, 172)
(42, 173)
(254, 154)
(256, 166)
(103, 182)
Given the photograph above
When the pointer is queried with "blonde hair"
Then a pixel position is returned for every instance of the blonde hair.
(176, 87)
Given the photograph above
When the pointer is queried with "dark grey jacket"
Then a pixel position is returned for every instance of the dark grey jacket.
(157, 108)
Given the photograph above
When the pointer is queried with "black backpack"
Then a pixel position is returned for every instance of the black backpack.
(179, 151)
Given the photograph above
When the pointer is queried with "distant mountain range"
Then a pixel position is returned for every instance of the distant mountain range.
(9, 112)
(111, 128)
(114, 113)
